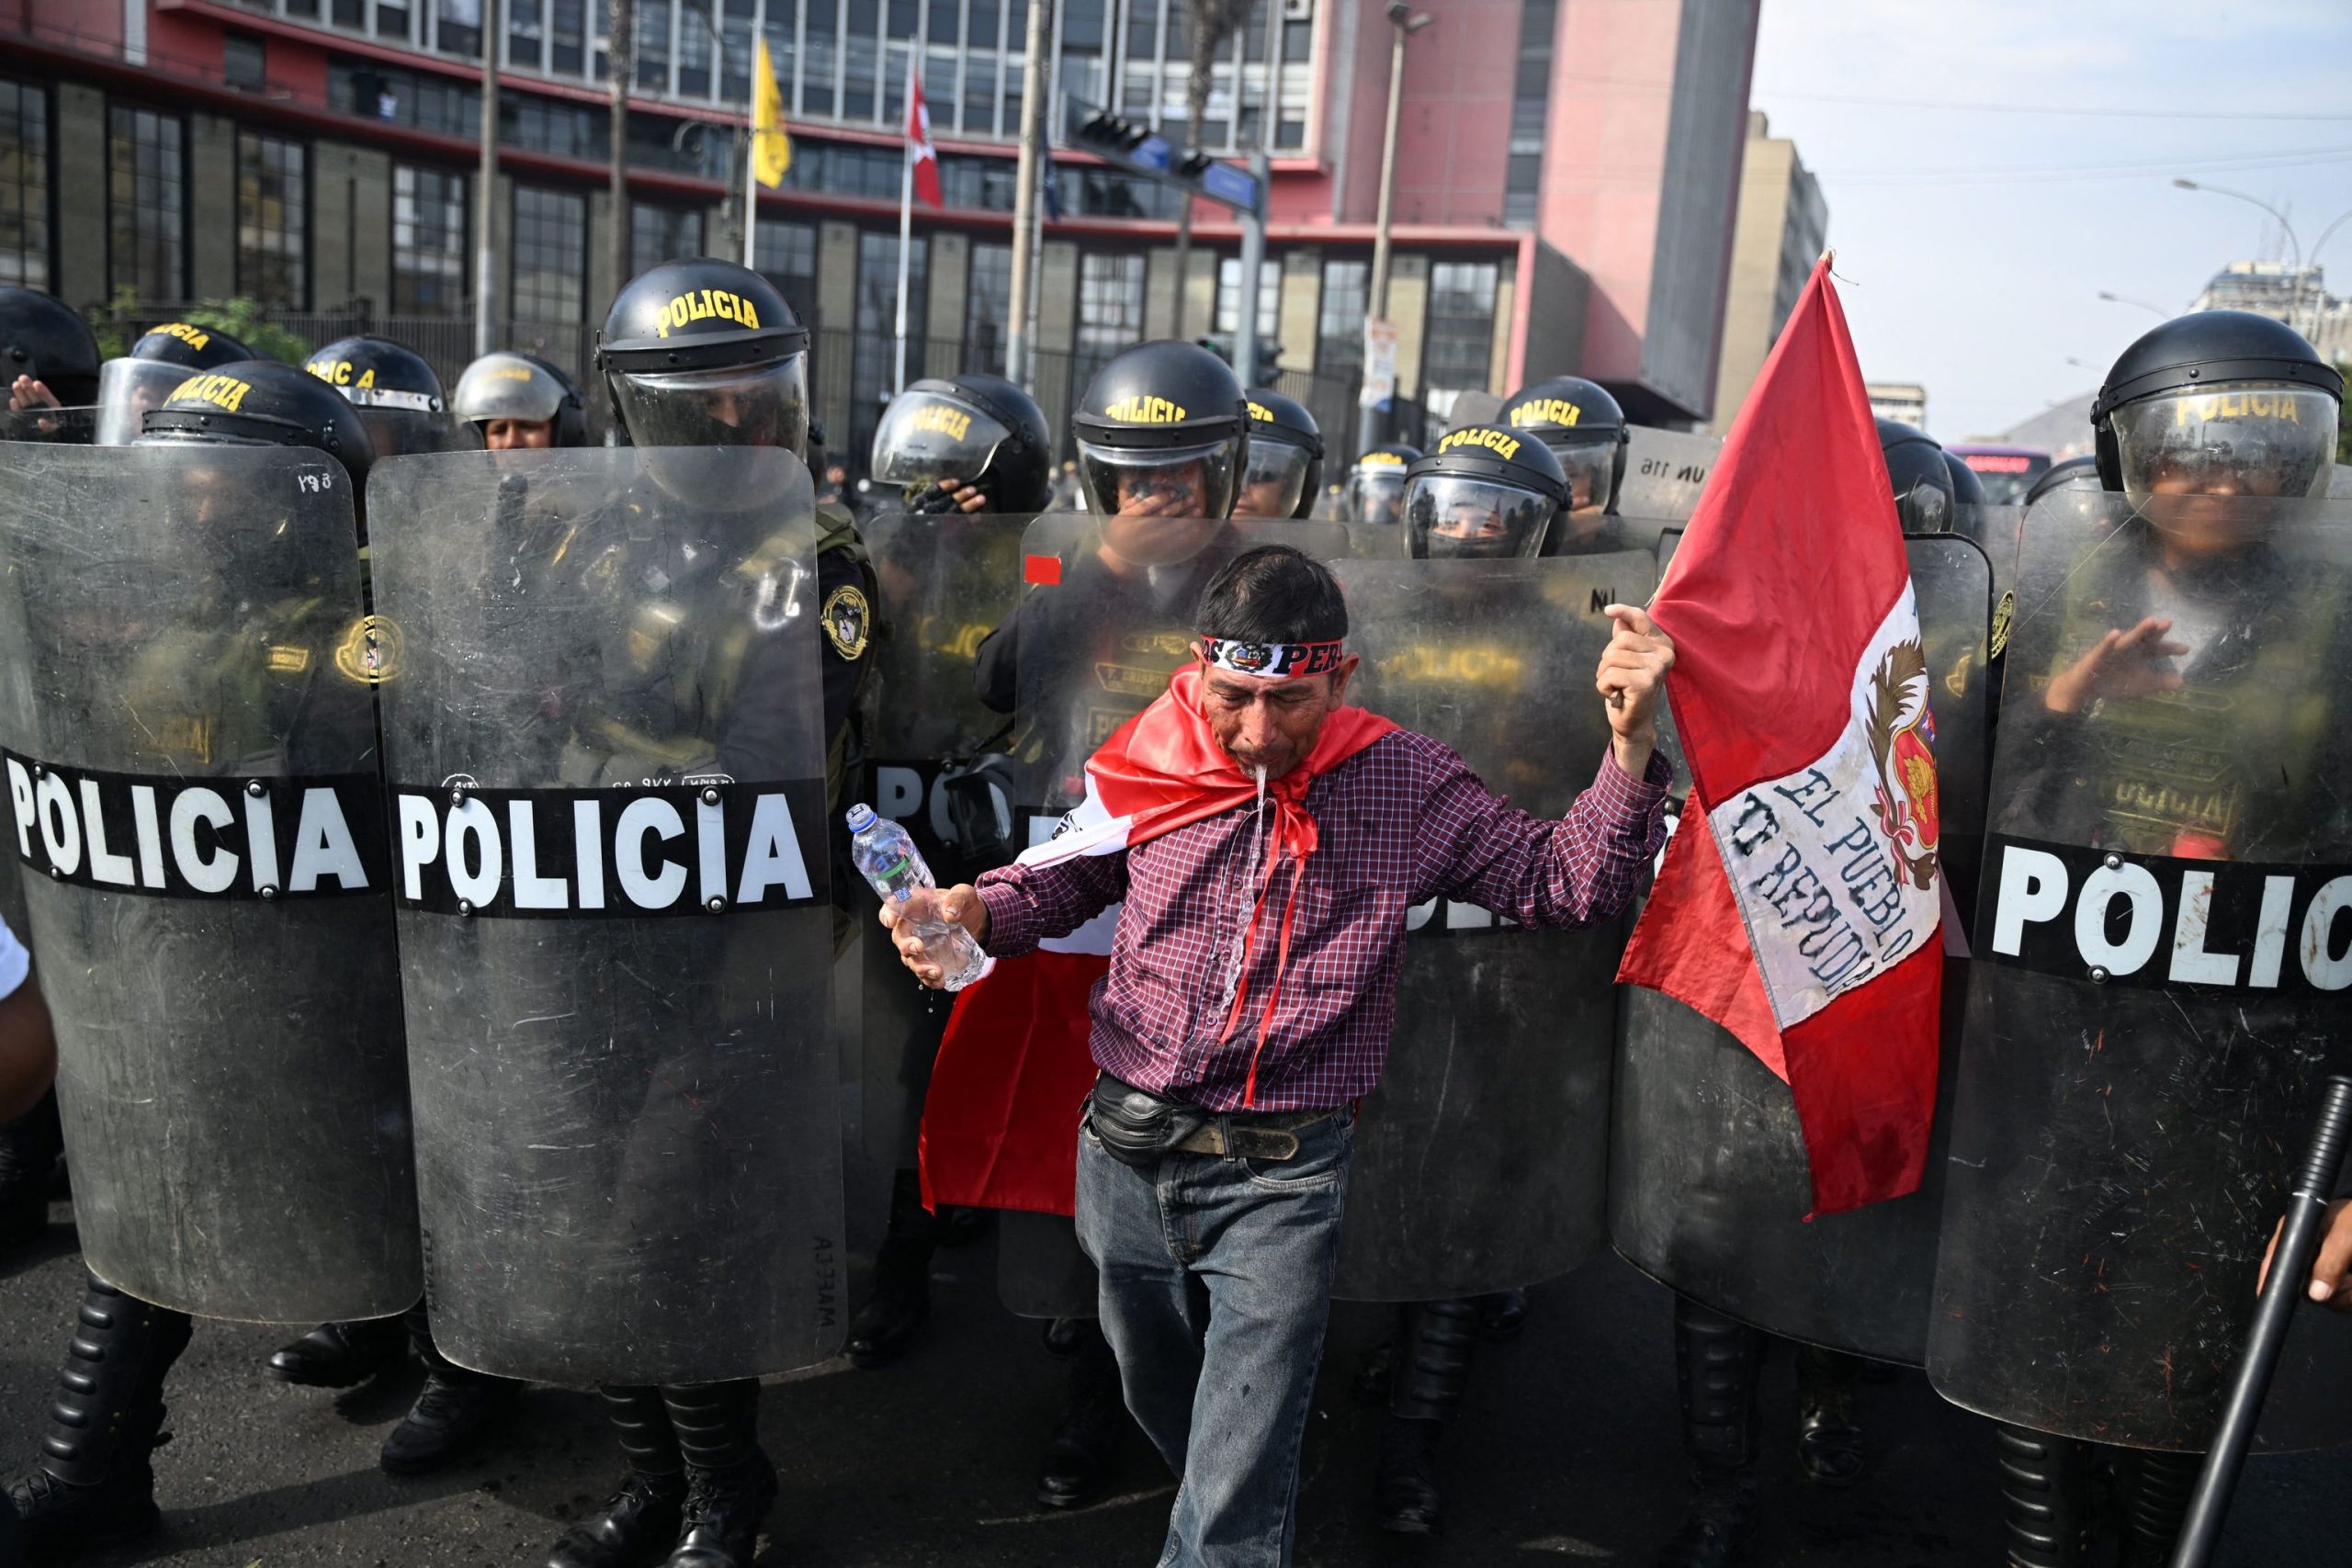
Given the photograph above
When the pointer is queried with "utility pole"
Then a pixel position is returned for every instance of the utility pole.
(621, 27)
(1253, 262)
(486, 198)
(1402, 19)
(1036, 80)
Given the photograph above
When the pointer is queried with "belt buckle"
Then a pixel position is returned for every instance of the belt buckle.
(1260, 1143)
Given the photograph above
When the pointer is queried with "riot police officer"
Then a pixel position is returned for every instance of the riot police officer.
(1376, 487)
(697, 354)
(1924, 487)
(157, 365)
(94, 1482)
(511, 400)
(398, 395)
(1485, 493)
(969, 444)
(49, 359)
(1286, 473)
(1584, 428)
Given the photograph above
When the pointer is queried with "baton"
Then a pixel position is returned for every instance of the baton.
(2290, 1267)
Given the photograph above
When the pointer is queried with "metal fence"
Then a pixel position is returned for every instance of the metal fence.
(850, 374)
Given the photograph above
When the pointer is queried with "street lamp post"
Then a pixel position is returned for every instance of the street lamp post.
(2295, 298)
(1406, 22)
(2157, 311)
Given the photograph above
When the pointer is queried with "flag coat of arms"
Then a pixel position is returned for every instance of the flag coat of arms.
(1798, 906)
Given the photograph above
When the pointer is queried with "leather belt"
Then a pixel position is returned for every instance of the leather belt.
(1270, 1135)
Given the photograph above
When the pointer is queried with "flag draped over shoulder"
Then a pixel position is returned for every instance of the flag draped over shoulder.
(1798, 906)
(771, 146)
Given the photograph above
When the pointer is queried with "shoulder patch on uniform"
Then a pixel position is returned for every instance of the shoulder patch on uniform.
(848, 620)
(2002, 615)
(369, 651)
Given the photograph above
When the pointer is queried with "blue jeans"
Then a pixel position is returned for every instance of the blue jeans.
(1217, 1285)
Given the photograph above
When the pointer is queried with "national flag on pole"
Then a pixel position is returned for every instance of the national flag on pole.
(1798, 906)
(771, 144)
(924, 161)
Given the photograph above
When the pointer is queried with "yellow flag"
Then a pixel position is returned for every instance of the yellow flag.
(770, 147)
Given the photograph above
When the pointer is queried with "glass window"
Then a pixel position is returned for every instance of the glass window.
(788, 260)
(1110, 311)
(146, 204)
(736, 62)
(657, 234)
(350, 13)
(428, 243)
(1347, 289)
(653, 48)
(988, 307)
(568, 36)
(1461, 329)
(821, 58)
(1228, 297)
(550, 252)
(242, 62)
(391, 21)
(458, 26)
(24, 185)
(523, 32)
(272, 220)
(861, 58)
(1531, 104)
(875, 355)
(694, 52)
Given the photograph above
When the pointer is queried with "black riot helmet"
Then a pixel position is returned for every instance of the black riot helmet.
(157, 365)
(2073, 473)
(1285, 472)
(2218, 402)
(1486, 493)
(43, 337)
(980, 430)
(1923, 487)
(261, 403)
(1967, 490)
(1163, 431)
(397, 396)
(1584, 428)
(706, 353)
(516, 386)
(1376, 488)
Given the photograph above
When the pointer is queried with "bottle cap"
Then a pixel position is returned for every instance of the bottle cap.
(861, 818)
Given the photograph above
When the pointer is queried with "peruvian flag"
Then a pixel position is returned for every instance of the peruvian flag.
(1803, 918)
(922, 163)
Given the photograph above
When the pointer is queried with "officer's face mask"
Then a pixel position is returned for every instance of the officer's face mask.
(2246, 438)
(764, 405)
(1455, 517)
(1275, 481)
(1161, 481)
(127, 388)
(1377, 494)
(925, 437)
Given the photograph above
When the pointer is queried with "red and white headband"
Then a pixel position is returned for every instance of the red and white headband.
(1272, 660)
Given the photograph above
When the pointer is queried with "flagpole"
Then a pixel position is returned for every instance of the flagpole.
(752, 191)
(906, 227)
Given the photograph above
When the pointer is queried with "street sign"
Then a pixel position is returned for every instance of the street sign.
(1132, 145)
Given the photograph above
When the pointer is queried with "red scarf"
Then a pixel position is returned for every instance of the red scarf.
(1164, 769)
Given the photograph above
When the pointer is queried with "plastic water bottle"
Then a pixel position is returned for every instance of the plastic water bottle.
(895, 868)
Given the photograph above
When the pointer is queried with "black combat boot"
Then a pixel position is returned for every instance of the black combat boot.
(1829, 1445)
(1079, 1454)
(641, 1523)
(2156, 1492)
(2045, 1498)
(451, 1409)
(30, 1147)
(337, 1355)
(1433, 1370)
(898, 1305)
(730, 1484)
(1716, 1360)
(96, 1482)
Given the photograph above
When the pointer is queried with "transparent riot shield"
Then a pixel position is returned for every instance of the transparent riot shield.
(945, 583)
(1481, 1161)
(1105, 618)
(190, 752)
(1665, 472)
(606, 748)
(77, 426)
(2161, 948)
(1709, 1182)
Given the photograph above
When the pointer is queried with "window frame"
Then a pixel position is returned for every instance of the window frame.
(306, 203)
(180, 289)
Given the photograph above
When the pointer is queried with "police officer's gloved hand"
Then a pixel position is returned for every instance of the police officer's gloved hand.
(934, 500)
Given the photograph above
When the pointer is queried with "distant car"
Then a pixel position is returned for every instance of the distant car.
(2006, 472)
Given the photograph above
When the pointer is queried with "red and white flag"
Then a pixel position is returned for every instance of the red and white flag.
(1804, 917)
(922, 162)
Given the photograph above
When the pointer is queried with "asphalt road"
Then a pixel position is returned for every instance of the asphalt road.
(1568, 1451)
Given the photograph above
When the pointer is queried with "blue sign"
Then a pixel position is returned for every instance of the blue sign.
(1152, 153)
(1223, 182)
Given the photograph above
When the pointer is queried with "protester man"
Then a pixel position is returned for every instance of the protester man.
(1252, 990)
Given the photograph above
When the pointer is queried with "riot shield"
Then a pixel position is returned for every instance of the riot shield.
(1709, 1184)
(1105, 618)
(190, 750)
(945, 583)
(1665, 472)
(2158, 948)
(1481, 1161)
(75, 426)
(608, 756)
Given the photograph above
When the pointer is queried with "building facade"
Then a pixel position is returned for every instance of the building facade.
(1784, 226)
(1570, 213)
(2295, 295)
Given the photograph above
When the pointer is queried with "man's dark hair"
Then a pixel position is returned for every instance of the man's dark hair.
(1274, 594)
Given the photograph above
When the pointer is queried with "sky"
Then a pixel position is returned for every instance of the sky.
(1973, 241)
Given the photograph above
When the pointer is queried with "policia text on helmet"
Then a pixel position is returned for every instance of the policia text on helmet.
(1584, 427)
(1486, 493)
(1163, 431)
(707, 354)
(966, 444)
(2216, 403)
(162, 358)
(398, 395)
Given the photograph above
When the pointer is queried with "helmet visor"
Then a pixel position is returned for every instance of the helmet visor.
(761, 405)
(504, 385)
(1458, 517)
(397, 431)
(1276, 479)
(1589, 461)
(1377, 494)
(1161, 481)
(127, 390)
(1925, 508)
(2258, 438)
(925, 437)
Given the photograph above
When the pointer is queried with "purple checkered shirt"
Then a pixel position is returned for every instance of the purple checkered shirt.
(1401, 822)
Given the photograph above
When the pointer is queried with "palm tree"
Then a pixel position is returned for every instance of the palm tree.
(1212, 24)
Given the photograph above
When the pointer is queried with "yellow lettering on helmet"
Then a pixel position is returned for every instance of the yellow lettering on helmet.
(1261, 413)
(1382, 461)
(369, 378)
(195, 337)
(1145, 410)
(1545, 411)
(511, 373)
(221, 391)
(943, 419)
(334, 372)
(1501, 443)
(705, 305)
